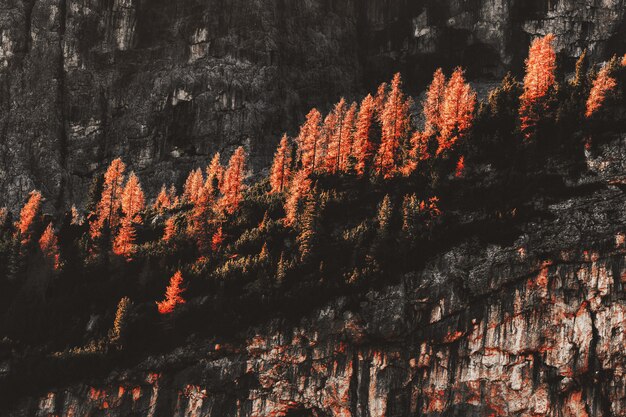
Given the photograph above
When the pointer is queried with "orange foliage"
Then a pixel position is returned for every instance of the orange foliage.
(460, 167)
(363, 147)
(107, 210)
(214, 174)
(281, 167)
(457, 111)
(380, 99)
(193, 185)
(395, 125)
(49, 245)
(333, 126)
(232, 187)
(309, 139)
(433, 105)
(539, 78)
(347, 138)
(28, 214)
(133, 202)
(417, 153)
(217, 239)
(170, 229)
(602, 85)
(300, 187)
(624, 61)
(163, 201)
(173, 294)
(198, 226)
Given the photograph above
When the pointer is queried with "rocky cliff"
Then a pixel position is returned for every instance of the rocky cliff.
(532, 327)
(166, 83)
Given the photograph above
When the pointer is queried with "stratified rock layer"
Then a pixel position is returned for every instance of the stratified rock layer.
(164, 83)
(535, 328)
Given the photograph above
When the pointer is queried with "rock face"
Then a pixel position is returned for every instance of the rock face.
(164, 83)
(531, 328)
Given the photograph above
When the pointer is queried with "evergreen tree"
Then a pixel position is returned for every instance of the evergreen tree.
(173, 294)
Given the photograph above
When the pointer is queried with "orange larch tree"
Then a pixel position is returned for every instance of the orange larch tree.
(233, 186)
(602, 85)
(163, 201)
(309, 141)
(28, 216)
(539, 79)
(281, 167)
(173, 294)
(457, 112)
(433, 104)
(133, 202)
(327, 135)
(299, 188)
(193, 185)
(217, 239)
(347, 140)
(108, 208)
(380, 99)
(198, 225)
(418, 152)
(460, 167)
(214, 174)
(49, 245)
(363, 147)
(395, 125)
(170, 229)
(335, 134)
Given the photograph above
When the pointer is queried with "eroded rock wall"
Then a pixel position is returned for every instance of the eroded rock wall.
(531, 328)
(164, 84)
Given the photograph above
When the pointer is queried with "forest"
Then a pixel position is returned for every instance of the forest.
(360, 197)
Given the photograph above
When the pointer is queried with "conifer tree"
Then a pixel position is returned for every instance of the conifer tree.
(233, 186)
(385, 212)
(395, 125)
(457, 111)
(309, 141)
(193, 185)
(281, 167)
(108, 208)
(173, 294)
(133, 202)
(335, 134)
(539, 79)
(215, 175)
(29, 215)
(460, 167)
(418, 152)
(162, 201)
(602, 85)
(380, 99)
(49, 245)
(281, 268)
(170, 229)
(300, 188)
(198, 225)
(433, 105)
(217, 240)
(363, 147)
(347, 139)
(122, 312)
(410, 221)
(308, 229)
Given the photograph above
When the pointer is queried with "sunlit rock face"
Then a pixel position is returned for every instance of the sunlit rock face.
(530, 328)
(164, 84)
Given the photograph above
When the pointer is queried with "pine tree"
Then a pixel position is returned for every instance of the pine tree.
(193, 185)
(602, 85)
(170, 229)
(49, 245)
(309, 141)
(29, 215)
(214, 175)
(122, 312)
(233, 186)
(457, 111)
(173, 294)
(162, 201)
(363, 147)
(300, 188)
(107, 210)
(539, 79)
(281, 167)
(335, 128)
(433, 105)
(217, 240)
(395, 125)
(133, 202)
(347, 140)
